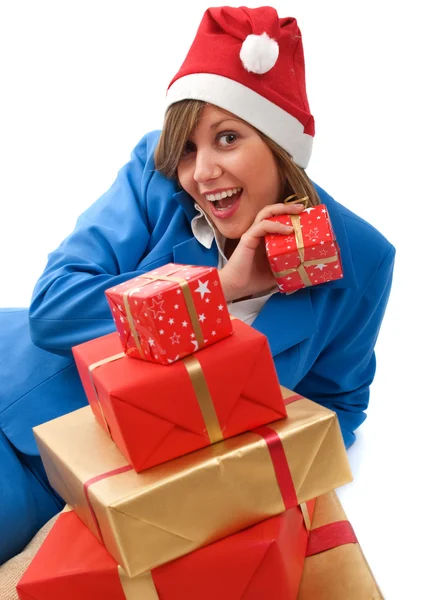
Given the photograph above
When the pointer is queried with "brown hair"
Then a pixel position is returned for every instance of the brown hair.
(180, 120)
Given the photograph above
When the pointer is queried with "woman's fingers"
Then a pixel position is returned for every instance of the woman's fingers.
(253, 235)
(278, 208)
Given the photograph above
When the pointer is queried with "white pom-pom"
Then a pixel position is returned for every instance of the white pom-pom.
(259, 53)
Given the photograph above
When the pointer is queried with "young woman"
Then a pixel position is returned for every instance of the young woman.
(236, 141)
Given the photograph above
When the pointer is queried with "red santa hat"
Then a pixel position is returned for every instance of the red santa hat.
(250, 62)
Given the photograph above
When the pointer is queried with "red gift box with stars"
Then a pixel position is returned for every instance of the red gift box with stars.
(308, 256)
(155, 413)
(166, 314)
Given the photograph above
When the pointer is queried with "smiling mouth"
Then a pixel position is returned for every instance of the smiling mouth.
(224, 200)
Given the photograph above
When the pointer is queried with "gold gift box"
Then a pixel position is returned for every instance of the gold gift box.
(341, 573)
(150, 518)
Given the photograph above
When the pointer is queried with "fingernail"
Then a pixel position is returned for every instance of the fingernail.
(298, 205)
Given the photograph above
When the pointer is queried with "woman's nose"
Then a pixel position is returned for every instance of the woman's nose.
(206, 167)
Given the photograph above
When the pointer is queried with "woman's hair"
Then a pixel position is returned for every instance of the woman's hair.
(180, 120)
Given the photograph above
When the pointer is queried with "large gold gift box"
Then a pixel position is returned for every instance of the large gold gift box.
(340, 570)
(150, 518)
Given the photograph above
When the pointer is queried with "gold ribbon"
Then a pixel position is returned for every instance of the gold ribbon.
(187, 297)
(302, 271)
(207, 408)
(140, 586)
(91, 368)
(306, 518)
(297, 230)
(200, 386)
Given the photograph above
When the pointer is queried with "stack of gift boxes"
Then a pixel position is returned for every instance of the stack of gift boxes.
(192, 473)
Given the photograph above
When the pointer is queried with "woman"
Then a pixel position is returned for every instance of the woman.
(236, 139)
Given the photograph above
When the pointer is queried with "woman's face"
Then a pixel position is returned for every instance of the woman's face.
(229, 171)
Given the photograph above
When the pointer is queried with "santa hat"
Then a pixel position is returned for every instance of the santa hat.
(250, 62)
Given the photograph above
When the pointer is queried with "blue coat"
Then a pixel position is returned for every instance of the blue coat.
(322, 338)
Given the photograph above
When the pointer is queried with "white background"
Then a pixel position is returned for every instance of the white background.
(82, 81)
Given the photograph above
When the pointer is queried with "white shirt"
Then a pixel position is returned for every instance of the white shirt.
(205, 233)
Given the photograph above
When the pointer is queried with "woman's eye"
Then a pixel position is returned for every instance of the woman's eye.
(226, 139)
(188, 148)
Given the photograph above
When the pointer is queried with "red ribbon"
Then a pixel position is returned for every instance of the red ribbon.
(278, 457)
(293, 399)
(99, 478)
(281, 466)
(330, 536)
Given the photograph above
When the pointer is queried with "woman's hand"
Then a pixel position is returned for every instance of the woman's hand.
(248, 271)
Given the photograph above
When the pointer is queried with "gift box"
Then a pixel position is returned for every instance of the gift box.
(308, 256)
(155, 414)
(265, 560)
(335, 566)
(193, 500)
(163, 315)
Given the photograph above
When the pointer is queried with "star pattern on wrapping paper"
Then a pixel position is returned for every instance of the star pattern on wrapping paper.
(175, 338)
(157, 307)
(308, 210)
(320, 266)
(313, 233)
(326, 276)
(203, 288)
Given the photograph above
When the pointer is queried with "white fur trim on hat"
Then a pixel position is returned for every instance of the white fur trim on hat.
(259, 53)
(276, 123)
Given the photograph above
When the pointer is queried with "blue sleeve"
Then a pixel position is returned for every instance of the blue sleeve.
(68, 305)
(341, 376)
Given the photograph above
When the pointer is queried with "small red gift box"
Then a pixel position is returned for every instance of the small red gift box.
(308, 256)
(163, 315)
(155, 414)
(263, 561)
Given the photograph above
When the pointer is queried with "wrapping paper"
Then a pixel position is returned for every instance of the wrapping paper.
(335, 567)
(265, 560)
(166, 314)
(309, 256)
(196, 499)
(155, 414)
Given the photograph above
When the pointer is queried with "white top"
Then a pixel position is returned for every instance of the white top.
(205, 233)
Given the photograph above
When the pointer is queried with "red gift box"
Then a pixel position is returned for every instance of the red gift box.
(263, 561)
(155, 414)
(308, 256)
(163, 315)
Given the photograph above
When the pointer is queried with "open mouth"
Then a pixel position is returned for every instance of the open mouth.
(223, 201)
